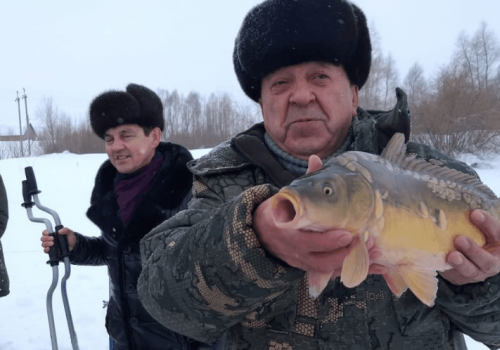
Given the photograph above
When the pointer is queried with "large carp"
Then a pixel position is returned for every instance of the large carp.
(413, 209)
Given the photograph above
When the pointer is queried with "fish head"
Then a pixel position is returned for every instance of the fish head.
(326, 199)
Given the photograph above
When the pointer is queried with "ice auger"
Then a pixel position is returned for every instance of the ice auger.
(59, 251)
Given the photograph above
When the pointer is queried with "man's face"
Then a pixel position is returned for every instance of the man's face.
(308, 108)
(128, 148)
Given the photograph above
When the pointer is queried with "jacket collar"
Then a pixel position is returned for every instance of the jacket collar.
(168, 189)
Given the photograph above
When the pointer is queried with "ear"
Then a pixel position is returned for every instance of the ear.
(155, 135)
(355, 99)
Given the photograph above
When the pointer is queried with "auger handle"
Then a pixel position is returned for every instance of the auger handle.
(28, 203)
(30, 177)
(62, 242)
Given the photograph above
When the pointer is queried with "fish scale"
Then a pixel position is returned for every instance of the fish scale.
(413, 209)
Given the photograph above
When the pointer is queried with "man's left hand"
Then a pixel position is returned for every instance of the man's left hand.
(470, 262)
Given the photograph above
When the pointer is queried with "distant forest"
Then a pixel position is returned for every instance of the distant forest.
(456, 111)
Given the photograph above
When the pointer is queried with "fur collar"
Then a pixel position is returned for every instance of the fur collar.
(169, 187)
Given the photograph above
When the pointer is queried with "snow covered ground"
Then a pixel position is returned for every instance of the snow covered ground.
(66, 181)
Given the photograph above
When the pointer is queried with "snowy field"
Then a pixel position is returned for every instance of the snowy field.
(66, 181)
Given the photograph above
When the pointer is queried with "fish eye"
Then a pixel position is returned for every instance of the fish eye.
(327, 190)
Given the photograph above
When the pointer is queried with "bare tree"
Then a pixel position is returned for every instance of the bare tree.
(415, 87)
(172, 105)
(478, 55)
(461, 114)
(80, 139)
(48, 114)
(390, 77)
(378, 91)
(192, 112)
(369, 95)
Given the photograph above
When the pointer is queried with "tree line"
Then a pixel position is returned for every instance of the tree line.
(457, 110)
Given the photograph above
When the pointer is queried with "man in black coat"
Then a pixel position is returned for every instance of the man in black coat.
(143, 183)
(4, 217)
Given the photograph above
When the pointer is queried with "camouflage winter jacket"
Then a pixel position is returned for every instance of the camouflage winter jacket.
(206, 275)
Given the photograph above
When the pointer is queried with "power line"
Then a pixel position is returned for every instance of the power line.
(28, 131)
(20, 130)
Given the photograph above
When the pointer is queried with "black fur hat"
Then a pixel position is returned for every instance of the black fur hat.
(280, 33)
(137, 105)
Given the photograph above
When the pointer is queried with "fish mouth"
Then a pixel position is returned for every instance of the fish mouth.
(286, 208)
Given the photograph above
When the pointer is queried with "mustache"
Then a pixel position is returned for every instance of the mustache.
(297, 114)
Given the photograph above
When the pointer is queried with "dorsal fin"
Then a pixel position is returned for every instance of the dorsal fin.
(395, 151)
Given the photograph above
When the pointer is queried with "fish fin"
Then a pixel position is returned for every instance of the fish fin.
(395, 153)
(495, 210)
(317, 282)
(423, 283)
(355, 266)
(395, 281)
(395, 148)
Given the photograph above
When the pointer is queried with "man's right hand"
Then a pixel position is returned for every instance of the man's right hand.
(48, 241)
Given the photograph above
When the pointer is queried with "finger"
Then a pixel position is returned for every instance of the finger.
(47, 239)
(48, 243)
(314, 164)
(463, 266)
(324, 262)
(64, 231)
(370, 242)
(485, 261)
(488, 226)
(375, 253)
(322, 242)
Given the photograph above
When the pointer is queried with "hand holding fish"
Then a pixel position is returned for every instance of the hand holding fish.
(319, 251)
(416, 211)
(471, 263)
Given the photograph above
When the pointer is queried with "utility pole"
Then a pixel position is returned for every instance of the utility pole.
(20, 130)
(28, 131)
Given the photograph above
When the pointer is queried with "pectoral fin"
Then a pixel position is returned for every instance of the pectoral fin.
(317, 282)
(423, 283)
(355, 267)
(396, 283)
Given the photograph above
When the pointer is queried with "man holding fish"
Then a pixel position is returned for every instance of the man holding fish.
(231, 269)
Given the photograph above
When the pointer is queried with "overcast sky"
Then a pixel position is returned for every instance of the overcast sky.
(73, 50)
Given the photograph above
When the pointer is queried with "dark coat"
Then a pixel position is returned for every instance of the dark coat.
(4, 217)
(254, 301)
(128, 323)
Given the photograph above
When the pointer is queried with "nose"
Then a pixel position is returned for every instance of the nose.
(116, 145)
(302, 94)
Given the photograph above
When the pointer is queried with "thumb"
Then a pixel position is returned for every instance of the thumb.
(314, 164)
(64, 231)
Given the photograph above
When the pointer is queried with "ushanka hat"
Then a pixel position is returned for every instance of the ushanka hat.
(280, 33)
(137, 105)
